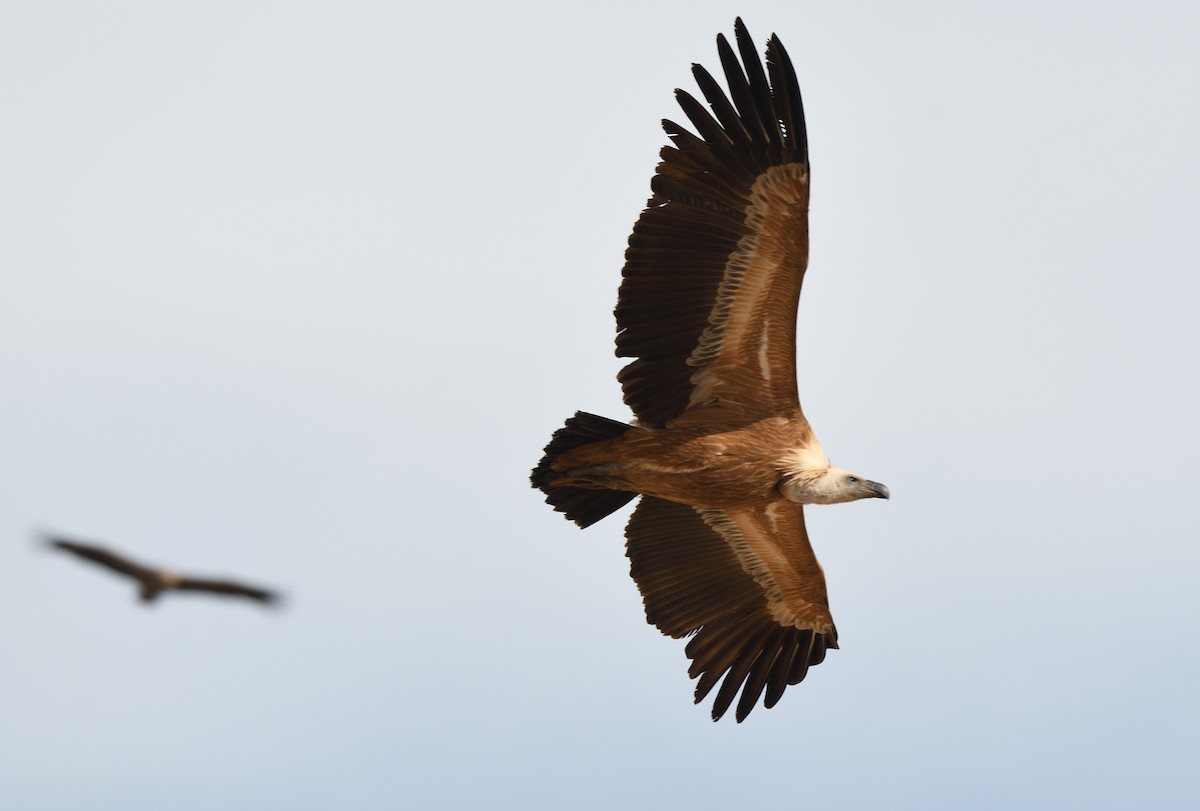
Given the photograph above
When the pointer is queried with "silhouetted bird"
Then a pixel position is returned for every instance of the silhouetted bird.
(153, 582)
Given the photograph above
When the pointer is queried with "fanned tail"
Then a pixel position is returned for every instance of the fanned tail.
(583, 506)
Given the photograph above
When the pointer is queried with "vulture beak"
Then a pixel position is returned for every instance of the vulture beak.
(878, 490)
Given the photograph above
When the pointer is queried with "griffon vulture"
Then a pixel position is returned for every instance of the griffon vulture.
(720, 451)
(152, 582)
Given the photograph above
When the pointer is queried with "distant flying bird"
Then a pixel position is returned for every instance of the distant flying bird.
(153, 582)
(720, 452)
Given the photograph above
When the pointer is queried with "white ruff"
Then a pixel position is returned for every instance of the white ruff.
(805, 462)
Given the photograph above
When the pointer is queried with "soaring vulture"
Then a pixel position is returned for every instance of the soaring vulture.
(720, 451)
(152, 582)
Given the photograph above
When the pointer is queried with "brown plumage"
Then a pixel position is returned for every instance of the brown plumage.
(720, 452)
(152, 582)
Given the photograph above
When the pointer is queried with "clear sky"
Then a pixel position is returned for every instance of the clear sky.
(298, 292)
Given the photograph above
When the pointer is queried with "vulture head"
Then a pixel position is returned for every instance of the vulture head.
(831, 485)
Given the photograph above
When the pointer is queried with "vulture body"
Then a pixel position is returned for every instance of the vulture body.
(153, 582)
(720, 452)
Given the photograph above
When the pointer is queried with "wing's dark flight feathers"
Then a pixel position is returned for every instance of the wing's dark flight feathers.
(653, 376)
(800, 663)
(641, 315)
(663, 239)
(655, 380)
(655, 321)
(661, 256)
(652, 384)
(739, 91)
(672, 284)
(689, 156)
(699, 189)
(656, 346)
(708, 643)
(777, 679)
(669, 345)
(667, 286)
(683, 615)
(726, 114)
(675, 269)
(714, 223)
(724, 655)
(760, 90)
(692, 158)
(717, 230)
(747, 161)
(736, 677)
(788, 102)
(818, 650)
(733, 648)
(707, 127)
(673, 263)
(646, 311)
(698, 192)
(709, 677)
(756, 679)
(693, 190)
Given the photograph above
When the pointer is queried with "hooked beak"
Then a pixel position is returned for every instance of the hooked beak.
(878, 490)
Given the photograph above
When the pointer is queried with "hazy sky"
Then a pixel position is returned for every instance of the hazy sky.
(298, 292)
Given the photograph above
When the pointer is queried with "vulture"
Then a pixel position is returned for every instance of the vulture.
(152, 582)
(719, 451)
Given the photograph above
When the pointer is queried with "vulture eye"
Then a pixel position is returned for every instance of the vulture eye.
(852, 479)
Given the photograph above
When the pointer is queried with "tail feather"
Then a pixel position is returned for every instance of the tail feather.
(583, 506)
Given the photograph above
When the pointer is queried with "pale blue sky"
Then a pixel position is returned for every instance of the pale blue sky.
(298, 291)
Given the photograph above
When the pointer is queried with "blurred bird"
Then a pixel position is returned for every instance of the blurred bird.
(152, 582)
(721, 453)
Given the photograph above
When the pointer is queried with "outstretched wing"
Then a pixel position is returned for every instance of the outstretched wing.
(104, 557)
(746, 583)
(713, 271)
(226, 587)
